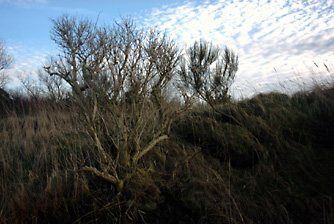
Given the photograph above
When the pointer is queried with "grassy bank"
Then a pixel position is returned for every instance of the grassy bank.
(272, 166)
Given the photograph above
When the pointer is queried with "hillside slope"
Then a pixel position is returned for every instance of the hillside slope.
(274, 166)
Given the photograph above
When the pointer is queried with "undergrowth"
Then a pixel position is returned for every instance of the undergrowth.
(273, 166)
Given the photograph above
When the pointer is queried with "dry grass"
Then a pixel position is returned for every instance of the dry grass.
(275, 168)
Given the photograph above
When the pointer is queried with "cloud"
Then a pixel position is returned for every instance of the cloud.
(26, 61)
(270, 37)
(23, 1)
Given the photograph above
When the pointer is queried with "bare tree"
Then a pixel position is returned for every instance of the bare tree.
(30, 87)
(118, 75)
(3, 80)
(56, 88)
(5, 62)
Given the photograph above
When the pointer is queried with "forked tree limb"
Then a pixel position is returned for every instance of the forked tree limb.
(106, 176)
(149, 147)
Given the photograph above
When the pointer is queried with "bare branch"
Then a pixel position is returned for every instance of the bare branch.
(5, 62)
(5, 59)
(149, 147)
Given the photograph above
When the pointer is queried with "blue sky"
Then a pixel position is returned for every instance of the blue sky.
(279, 43)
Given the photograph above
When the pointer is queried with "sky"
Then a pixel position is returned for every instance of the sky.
(281, 45)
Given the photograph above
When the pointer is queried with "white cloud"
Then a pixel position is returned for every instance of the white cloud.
(267, 35)
(26, 61)
(23, 3)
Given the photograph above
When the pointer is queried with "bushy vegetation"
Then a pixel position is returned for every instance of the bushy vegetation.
(130, 142)
(275, 168)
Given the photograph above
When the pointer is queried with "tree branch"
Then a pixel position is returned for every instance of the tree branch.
(106, 176)
(149, 147)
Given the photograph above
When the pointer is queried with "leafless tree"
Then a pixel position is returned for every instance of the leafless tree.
(5, 62)
(56, 88)
(30, 87)
(118, 75)
(3, 80)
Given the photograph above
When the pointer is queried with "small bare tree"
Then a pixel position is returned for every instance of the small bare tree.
(30, 87)
(118, 74)
(56, 88)
(5, 62)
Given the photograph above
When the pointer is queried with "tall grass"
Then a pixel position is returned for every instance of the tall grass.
(280, 155)
(274, 168)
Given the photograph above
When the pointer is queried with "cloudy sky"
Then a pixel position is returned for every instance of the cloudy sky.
(281, 44)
